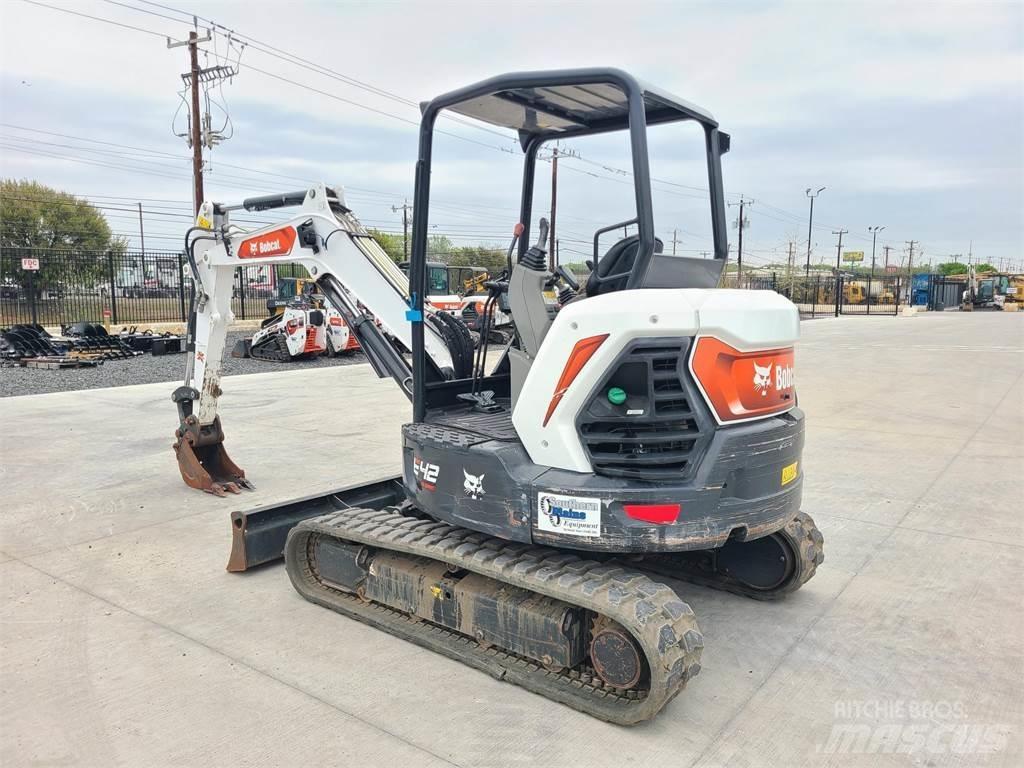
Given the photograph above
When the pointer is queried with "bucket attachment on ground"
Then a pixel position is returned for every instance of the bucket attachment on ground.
(202, 460)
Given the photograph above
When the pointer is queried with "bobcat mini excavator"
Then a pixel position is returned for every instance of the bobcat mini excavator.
(648, 427)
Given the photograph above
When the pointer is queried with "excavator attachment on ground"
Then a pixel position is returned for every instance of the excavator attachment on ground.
(640, 427)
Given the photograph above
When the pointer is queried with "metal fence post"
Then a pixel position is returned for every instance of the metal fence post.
(181, 286)
(898, 289)
(868, 298)
(32, 297)
(113, 288)
(241, 289)
(814, 296)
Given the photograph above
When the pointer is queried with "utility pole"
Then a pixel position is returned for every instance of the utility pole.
(142, 234)
(555, 154)
(404, 208)
(910, 270)
(675, 239)
(887, 249)
(839, 247)
(739, 253)
(874, 235)
(810, 223)
(789, 268)
(195, 118)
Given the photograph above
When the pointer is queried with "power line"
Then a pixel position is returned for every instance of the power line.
(95, 18)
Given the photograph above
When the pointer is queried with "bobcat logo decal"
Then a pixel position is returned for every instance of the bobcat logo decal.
(763, 378)
(473, 485)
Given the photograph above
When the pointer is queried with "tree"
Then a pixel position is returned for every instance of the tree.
(439, 248)
(491, 258)
(392, 244)
(34, 216)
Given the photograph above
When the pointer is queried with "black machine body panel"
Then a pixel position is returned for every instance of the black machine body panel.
(743, 488)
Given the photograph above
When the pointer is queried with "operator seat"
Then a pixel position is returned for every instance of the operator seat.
(618, 259)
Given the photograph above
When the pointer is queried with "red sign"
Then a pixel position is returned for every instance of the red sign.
(277, 242)
(891, 268)
(30, 264)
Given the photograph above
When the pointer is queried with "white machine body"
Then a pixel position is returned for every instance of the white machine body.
(746, 320)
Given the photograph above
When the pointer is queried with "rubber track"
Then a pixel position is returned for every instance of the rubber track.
(273, 349)
(802, 537)
(663, 625)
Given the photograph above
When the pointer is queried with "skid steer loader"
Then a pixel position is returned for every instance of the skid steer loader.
(647, 426)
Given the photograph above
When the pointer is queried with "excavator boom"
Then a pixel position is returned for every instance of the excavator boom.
(351, 270)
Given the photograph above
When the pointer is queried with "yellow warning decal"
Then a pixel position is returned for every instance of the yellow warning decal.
(789, 473)
(436, 591)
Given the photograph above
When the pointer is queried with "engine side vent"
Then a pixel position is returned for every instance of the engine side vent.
(654, 434)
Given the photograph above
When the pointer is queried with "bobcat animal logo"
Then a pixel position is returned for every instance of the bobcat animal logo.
(763, 378)
(473, 485)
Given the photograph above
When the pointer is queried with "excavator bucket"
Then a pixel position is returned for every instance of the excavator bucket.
(208, 467)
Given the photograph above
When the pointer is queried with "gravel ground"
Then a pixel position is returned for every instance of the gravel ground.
(145, 369)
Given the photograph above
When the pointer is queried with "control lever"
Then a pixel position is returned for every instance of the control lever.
(568, 277)
(517, 230)
(543, 235)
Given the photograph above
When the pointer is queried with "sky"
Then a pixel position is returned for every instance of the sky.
(911, 115)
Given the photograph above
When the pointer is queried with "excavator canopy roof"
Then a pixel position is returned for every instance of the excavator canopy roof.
(566, 102)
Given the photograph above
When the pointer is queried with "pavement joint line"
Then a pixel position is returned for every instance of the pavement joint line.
(240, 662)
(834, 601)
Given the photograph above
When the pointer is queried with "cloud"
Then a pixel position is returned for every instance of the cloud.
(904, 110)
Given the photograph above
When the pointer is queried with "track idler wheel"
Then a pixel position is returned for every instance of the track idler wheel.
(614, 653)
(767, 568)
(203, 462)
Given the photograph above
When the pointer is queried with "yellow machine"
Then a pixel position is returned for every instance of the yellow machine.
(288, 289)
(1013, 293)
(857, 292)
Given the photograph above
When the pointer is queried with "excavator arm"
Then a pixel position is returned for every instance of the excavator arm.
(352, 271)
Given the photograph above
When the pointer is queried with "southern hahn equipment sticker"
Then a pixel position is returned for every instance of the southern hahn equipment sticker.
(572, 515)
(278, 242)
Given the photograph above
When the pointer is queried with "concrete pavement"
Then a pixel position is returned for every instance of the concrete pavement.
(124, 641)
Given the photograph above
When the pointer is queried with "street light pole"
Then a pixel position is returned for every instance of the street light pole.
(874, 234)
(810, 223)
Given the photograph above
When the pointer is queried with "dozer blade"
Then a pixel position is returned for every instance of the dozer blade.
(258, 535)
(209, 468)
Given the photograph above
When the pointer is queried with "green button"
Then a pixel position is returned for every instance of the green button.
(616, 396)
